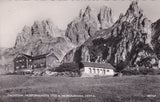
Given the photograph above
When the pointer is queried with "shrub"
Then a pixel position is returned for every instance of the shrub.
(71, 67)
(140, 71)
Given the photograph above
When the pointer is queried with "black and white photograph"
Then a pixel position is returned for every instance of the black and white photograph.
(79, 51)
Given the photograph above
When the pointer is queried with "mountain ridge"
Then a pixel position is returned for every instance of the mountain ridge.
(132, 40)
(126, 43)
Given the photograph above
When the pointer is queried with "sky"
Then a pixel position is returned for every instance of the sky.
(15, 14)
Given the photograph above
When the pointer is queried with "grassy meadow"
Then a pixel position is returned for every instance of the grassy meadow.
(104, 89)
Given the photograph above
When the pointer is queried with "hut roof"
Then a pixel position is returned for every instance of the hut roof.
(97, 65)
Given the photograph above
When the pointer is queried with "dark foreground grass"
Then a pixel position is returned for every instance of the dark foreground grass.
(104, 89)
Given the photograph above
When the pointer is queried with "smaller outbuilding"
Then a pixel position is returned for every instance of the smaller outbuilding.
(91, 69)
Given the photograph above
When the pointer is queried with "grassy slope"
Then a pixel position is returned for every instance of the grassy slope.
(106, 89)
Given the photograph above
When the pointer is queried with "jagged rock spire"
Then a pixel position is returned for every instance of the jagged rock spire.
(105, 17)
(40, 30)
(87, 23)
(133, 11)
(140, 22)
(87, 15)
(87, 12)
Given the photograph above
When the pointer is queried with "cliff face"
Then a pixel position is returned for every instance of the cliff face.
(135, 16)
(156, 37)
(40, 31)
(105, 17)
(126, 43)
(88, 22)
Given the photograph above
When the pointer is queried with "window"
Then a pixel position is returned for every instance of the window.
(94, 71)
(22, 66)
(42, 65)
(104, 71)
(101, 70)
(17, 67)
(35, 66)
(98, 70)
(90, 70)
(30, 66)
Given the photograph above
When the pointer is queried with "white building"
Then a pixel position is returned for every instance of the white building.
(91, 69)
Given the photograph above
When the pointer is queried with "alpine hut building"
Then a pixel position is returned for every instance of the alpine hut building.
(91, 69)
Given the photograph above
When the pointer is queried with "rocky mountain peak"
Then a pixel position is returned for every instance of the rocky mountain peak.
(88, 22)
(87, 11)
(126, 43)
(43, 30)
(26, 28)
(134, 10)
(134, 6)
(46, 27)
(83, 27)
(105, 17)
(137, 18)
(81, 13)
(86, 14)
